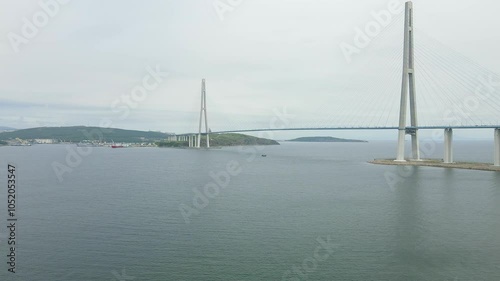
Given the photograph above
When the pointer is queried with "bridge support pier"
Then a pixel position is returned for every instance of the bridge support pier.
(415, 146)
(401, 145)
(497, 147)
(448, 145)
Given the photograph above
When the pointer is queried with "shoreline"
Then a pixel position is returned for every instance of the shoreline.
(438, 163)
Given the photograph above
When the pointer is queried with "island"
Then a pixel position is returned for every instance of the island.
(324, 139)
(220, 140)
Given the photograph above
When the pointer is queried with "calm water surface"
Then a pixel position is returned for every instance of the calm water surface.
(116, 215)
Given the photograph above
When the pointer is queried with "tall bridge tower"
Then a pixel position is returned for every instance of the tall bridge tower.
(203, 112)
(408, 87)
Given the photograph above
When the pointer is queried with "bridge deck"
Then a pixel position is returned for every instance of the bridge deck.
(350, 129)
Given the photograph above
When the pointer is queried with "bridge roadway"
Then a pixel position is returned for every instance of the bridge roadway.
(192, 138)
(354, 128)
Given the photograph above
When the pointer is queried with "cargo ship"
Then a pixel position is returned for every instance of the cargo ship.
(116, 145)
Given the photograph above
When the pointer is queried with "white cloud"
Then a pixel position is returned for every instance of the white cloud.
(265, 54)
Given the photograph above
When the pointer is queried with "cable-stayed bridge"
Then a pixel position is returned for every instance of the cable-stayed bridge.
(440, 89)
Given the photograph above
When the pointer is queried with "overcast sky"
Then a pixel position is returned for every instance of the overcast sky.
(81, 64)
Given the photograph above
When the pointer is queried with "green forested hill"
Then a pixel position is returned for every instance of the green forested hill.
(80, 133)
(236, 140)
(224, 140)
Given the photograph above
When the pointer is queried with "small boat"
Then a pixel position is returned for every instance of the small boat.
(264, 155)
(113, 145)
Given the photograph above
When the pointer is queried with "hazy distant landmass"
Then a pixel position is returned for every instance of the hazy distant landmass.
(324, 139)
(3, 128)
(223, 140)
(82, 133)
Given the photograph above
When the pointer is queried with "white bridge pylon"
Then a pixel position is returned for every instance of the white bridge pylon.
(203, 112)
(408, 87)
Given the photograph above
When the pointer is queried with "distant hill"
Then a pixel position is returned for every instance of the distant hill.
(224, 140)
(238, 139)
(81, 133)
(2, 129)
(324, 139)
